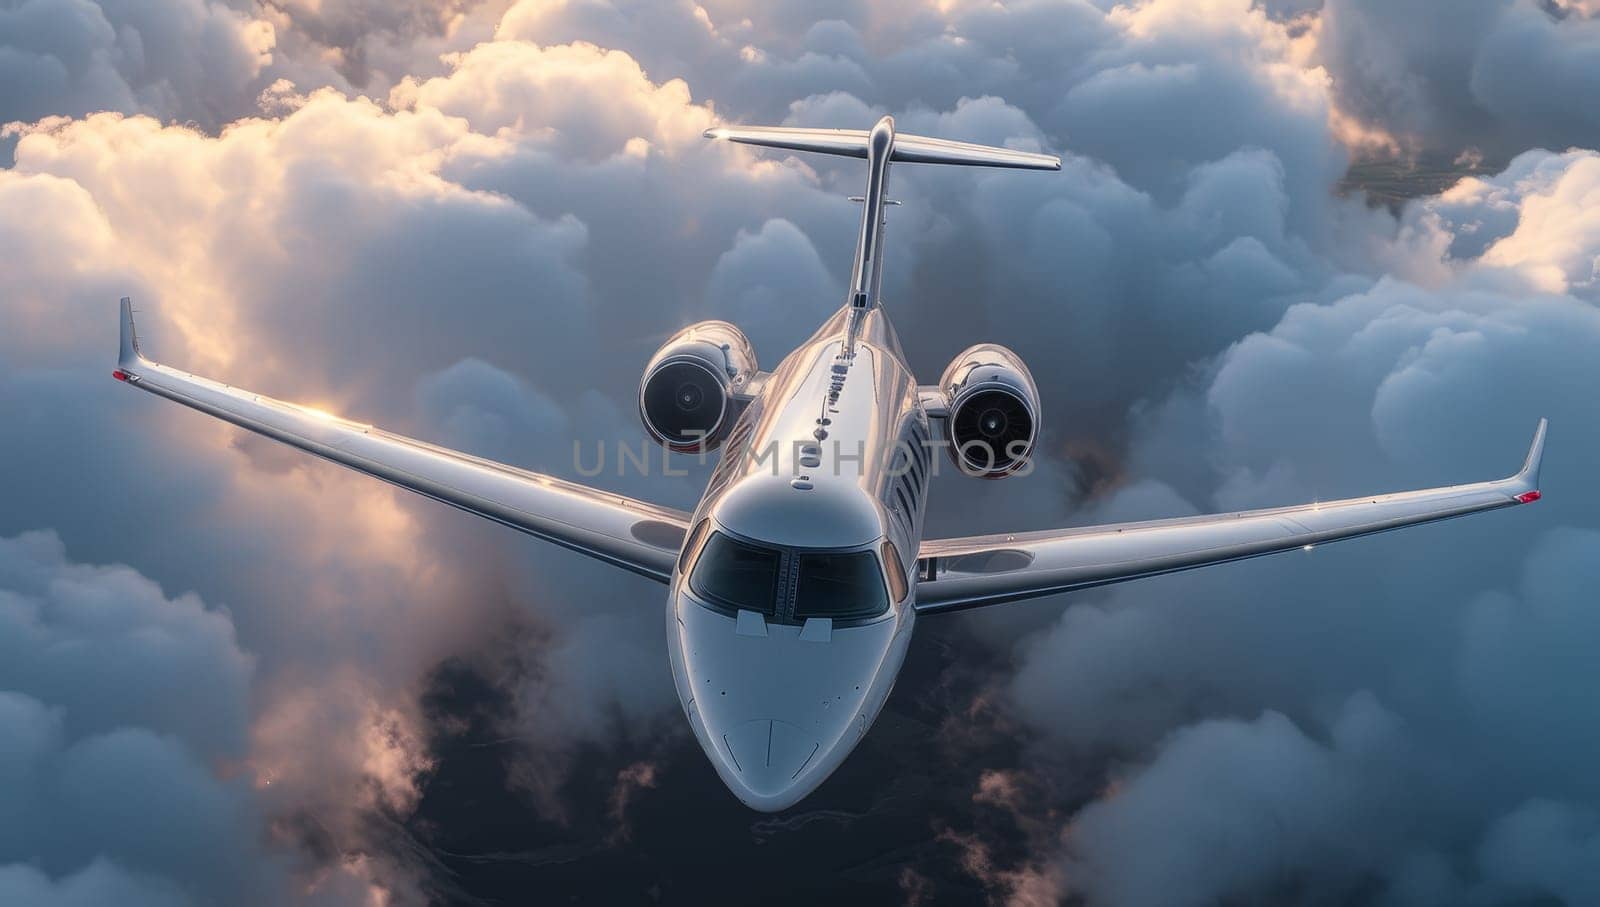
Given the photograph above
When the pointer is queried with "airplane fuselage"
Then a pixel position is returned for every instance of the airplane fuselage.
(828, 458)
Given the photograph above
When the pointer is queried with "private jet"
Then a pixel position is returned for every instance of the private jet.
(793, 588)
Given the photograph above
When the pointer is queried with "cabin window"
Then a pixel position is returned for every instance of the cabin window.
(919, 444)
(845, 585)
(905, 501)
(912, 445)
(737, 575)
(896, 573)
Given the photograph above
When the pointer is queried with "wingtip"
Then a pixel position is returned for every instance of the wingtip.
(1529, 475)
(128, 353)
(714, 132)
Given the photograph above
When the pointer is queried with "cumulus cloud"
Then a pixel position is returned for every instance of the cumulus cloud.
(773, 285)
(175, 59)
(344, 638)
(484, 250)
(124, 718)
(1496, 75)
(367, 46)
(1375, 790)
(1233, 216)
(1427, 640)
(285, 300)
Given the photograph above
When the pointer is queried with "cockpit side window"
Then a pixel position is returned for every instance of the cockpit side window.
(843, 585)
(737, 575)
(695, 538)
(896, 573)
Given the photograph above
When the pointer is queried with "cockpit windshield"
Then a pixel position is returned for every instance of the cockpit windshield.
(739, 575)
(846, 585)
(742, 576)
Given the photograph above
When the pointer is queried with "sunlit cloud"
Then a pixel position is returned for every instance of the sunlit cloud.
(471, 221)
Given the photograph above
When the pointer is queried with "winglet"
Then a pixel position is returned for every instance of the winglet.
(128, 355)
(1529, 476)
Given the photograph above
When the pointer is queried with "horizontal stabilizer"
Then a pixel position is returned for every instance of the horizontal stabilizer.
(913, 149)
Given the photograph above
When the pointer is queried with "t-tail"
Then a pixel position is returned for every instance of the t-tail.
(880, 146)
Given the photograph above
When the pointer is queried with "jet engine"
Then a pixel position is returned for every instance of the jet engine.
(993, 411)
(689, 396)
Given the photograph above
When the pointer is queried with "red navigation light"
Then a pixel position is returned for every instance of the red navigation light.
(119, 374)
(1528, 497)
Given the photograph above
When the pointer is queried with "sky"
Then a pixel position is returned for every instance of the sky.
(232, 674)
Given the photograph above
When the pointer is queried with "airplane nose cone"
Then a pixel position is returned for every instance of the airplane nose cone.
(767, 758)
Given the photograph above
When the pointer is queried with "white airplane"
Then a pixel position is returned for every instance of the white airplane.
(793, 588)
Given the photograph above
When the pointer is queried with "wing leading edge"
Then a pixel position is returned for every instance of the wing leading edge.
(971, 572)
(634, 535)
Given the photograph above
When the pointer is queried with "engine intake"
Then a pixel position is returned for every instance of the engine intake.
(687, 399)
(993, 417)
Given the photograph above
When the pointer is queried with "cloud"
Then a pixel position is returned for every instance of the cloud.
(366, 46)
(1546, 849)
(98, 883)
(774, 286)
(1228, 790)
(124, 714)
(76, 57)
(485, 250)
(1375, 793)
(342, 640)
(71, 631)
(1242, 685)
(1498, 75)
(284, 300)
(585, 669)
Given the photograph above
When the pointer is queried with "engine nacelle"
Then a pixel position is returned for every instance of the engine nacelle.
(687, 398)
(993, 415)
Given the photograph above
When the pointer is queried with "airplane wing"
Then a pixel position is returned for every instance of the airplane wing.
(636, 536)
(955, 574)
